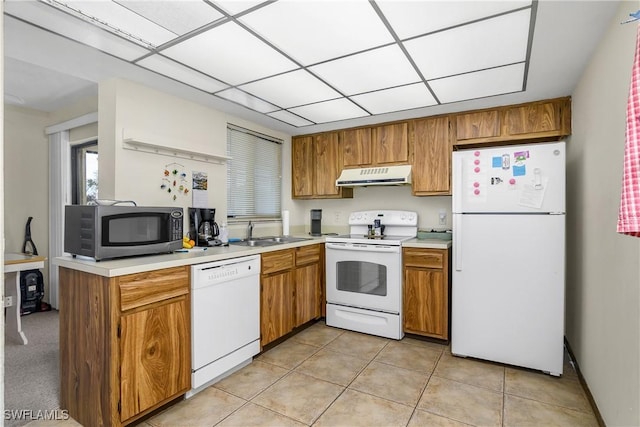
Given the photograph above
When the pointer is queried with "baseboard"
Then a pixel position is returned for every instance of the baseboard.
(585, 386)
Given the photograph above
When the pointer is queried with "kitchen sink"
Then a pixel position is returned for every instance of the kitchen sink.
(269, 241)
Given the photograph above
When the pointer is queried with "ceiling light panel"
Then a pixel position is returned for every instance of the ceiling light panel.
(230, 54)
(121, 19)
(414, 18)
(291, 89)
(314, 31)
(66, 25)
(249, 101)
(292, 119)
(181, 73)
(485, 44)
(372, 70)
(233, 7)
(480, 84)
(396, 99)
(177, 16)
(330, 111)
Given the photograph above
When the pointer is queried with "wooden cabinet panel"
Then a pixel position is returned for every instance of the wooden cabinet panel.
(482, 124)
(155, 356)
(424, 258)
(276, 302)
(533, 118)
(275, 261)
(302, 166)
(425, 303)
(307, 254)
(152, 286)
(327, 165)
(356, 147)
(431, 165)
(391, 144)
(307, 295)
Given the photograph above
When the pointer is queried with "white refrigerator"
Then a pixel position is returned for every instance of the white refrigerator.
(508, 280)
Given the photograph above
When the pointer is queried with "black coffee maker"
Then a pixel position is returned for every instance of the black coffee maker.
(202, 227)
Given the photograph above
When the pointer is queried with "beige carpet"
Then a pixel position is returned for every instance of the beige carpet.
(31, 372)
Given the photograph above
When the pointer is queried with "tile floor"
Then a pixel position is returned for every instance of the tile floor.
(330, 377)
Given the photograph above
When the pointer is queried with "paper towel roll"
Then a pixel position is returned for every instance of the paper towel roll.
(285, 223)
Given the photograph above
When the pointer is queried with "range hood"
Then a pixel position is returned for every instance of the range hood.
(385, 175)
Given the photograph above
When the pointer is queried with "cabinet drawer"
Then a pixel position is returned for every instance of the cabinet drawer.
(426, 258)
(145, 288)
(307, 254)
(278, 261)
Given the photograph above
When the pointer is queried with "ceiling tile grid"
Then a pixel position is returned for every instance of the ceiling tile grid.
(306, 62)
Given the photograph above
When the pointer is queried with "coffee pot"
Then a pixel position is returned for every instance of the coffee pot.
(203, 228)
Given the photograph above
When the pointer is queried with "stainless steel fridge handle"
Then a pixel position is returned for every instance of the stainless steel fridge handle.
(457, 241)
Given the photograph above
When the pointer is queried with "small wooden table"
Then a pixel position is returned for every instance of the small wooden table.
(13, 265)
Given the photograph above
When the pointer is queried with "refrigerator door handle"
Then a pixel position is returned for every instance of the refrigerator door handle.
(457, 241)
(457, 182)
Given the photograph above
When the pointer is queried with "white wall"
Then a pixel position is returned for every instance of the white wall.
(603, 267)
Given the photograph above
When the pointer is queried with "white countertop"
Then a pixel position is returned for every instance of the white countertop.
(139, 264)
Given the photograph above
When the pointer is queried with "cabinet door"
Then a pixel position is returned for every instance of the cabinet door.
(155, 355)
(425, 303)
(356, 147)
(480, 125)
(302, 166)
(534, 119)
(276, 302)
(307, 295)
(431, 172)
(391, 144)
(327, 164)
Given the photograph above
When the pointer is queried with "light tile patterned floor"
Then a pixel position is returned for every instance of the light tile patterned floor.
(330, 377)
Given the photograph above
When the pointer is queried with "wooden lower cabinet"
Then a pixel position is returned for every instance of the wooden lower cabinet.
(426, 292)
(291, 290)
(125, 344)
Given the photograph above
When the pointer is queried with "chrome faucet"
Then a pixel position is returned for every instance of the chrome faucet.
(249, 231)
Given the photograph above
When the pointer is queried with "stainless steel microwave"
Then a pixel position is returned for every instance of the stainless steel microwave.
(103, 232)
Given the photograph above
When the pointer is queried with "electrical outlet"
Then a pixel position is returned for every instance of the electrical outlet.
(442, 217)
(8, 301)
(337, 216)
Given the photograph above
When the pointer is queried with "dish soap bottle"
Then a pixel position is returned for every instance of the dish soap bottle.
(224, 234)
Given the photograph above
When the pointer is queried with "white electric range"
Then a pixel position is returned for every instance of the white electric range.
(364, 273)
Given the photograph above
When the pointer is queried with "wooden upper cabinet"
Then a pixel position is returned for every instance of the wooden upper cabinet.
(431, 166)
(483, 124)
(391, 144)
(538, 121)
(356, 147)
(327, 164)
(302, 166)
(534, 118)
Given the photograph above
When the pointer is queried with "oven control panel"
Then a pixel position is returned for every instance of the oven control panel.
(402, 218)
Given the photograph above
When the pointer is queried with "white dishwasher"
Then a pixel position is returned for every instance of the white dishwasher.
(225, 318)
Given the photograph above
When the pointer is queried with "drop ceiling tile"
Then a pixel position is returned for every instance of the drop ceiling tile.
(485, 44)
(181, 73)
(292, 119)
(330, 111)
(179, 17)
(414, 18)
(396, 99)
(230, 54)
(372, 70)
(249, 101)
(314, 31)
(66, 25)
(122, 20)
(480, 84)
(291, 89)
(233, 7)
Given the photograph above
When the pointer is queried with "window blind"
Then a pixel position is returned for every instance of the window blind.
(254, 174)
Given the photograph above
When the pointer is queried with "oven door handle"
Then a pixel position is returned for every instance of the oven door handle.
(362, 248)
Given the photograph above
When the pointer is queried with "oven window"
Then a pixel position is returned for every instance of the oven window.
(362, 277)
